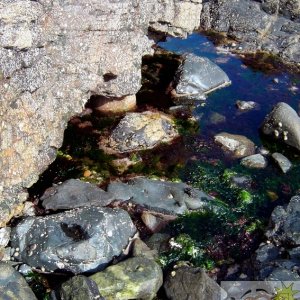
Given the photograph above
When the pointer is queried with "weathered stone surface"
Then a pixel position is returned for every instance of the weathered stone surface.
(53, 56)
(4, 236)
(245, 105)
(196, 77)
(80, 240)
(192, 283)
(78, 288)
(170, 197)
(134, 278)
(140, 131)
(256, 161)
(258, 25)
(283, 125)
(238, 145)
(74, 193)
(12, 285)
(282, 161)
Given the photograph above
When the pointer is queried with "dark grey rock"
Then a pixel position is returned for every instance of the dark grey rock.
(75, 193)
(12, 285)
(159, 242)
(80, 240)
(134, 278)
(256, 161)
(197, 76)
(78, 288)
(237, 145)
(193, 284)
(282, 274)
(164, 196)
(282, 161)
(267, 253)
(283, 125)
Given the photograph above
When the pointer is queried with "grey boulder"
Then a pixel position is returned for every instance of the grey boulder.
(164, 196)
(193, 284)
(74, 193)
(198, 76)
(282, 161)
(12, 285)
(283, 125)
(255, 161)
(80, 240)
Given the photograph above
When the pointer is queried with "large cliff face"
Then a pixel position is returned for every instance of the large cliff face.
(53, 56)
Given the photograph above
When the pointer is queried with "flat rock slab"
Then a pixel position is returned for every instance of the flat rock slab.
(12, 285)
(255, 161)
(193, 284)
(282, 124)
(140, 131)
(163, 196)
(197, 76)
(74, 193)
(282, 161)
(80, 240)
(237, 145)
(134, 278)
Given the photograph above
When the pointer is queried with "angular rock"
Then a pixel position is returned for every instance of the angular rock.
(239, 146)
(267, 253)
(283, 125)
(80, 240)
(198, 76)
(141, 131)
(256, 161)
(4, 236)
(78, 288)
(282, 274)
(193, 284)
(164, 196)
(159, 242)
(139, 248)
(74, 193)
(12, 285)
(282, 161)
(245, 105)
(134, 278)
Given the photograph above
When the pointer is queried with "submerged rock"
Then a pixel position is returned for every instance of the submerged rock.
(238, 145)
(74, 193)
(282, 161)
(79, 240)
(141, 131)
(196, 77)
(134, 278)
(78, 288)
(12, 285)
(282, 124)
(245, 105)
(164, 196)
(256, 161)
(193, 284)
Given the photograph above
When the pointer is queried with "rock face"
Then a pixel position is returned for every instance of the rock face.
(80, 240)
(141, 131)
(238, 145)
(169, 197)
(12, 285)
(196, 77)
(192, 283)
(283, 124)
(75, 193)
(270, 25)
(53, 57)
(134, 278)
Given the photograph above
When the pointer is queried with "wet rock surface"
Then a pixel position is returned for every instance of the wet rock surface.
(256, 161)
(282, 124)
(134, 278)
(282, 161)
(12, 285)
(192, 283)
(196, 77)
(271, 26)
(169, 197)
(237, 145)
(75, 193)
(141, 131)
(80, 240)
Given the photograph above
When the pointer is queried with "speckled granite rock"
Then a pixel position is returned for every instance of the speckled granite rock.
(12, 285)
(79, 240)
(53, 56)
